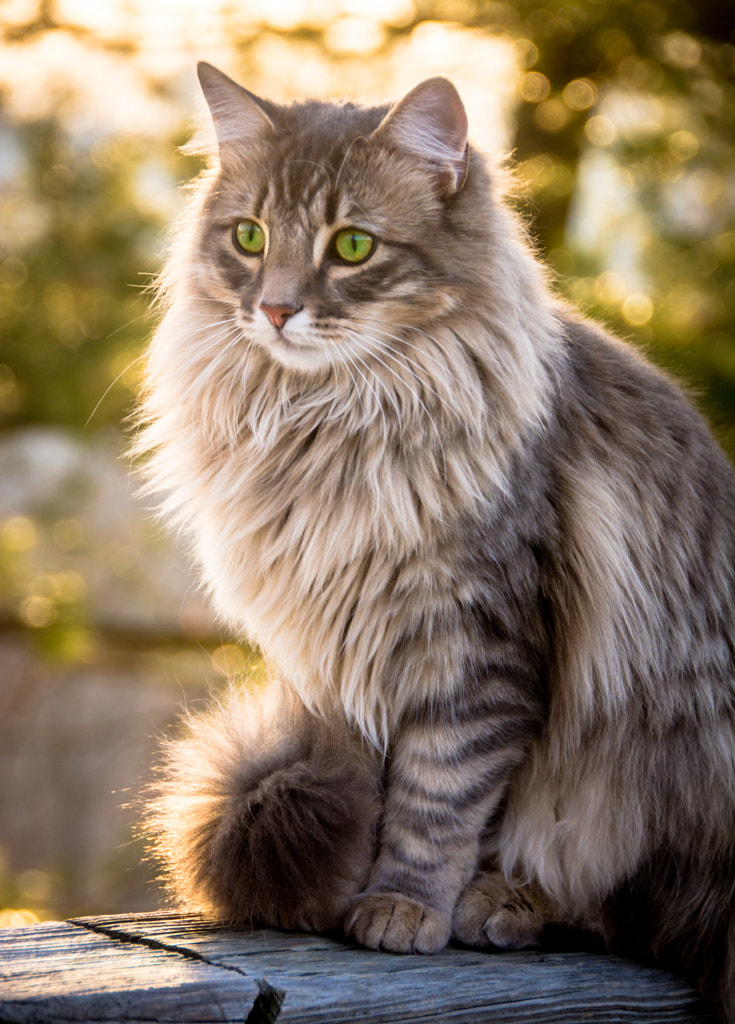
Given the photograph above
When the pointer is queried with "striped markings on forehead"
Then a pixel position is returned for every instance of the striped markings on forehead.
(311, 176)
(302, 212)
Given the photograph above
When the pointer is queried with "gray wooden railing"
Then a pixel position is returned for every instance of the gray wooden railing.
(169, 968)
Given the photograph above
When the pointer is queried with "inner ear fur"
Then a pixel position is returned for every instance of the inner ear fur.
(430, 123)
(237, 114)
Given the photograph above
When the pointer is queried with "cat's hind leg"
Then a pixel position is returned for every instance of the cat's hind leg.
(492, 911)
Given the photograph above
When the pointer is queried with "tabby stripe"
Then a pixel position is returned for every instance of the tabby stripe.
(483, 704)
(330, 207)
(473, 794)
(503, 734)
(311, 192)
(416, 819)
(528, 713)
(415, 829)
(261, 198)
(404, 882)
(401, 856)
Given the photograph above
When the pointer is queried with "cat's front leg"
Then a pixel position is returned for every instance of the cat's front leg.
(448, 772)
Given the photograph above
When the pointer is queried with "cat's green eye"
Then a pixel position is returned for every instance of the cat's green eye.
(249, 237)
(353, 246)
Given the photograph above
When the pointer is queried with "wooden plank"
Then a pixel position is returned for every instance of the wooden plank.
(171, 968)
(62, 972)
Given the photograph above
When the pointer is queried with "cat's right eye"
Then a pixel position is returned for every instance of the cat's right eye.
(249, 237)
(352, 245)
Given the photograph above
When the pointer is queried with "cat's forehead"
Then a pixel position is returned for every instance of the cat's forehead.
(311, 168)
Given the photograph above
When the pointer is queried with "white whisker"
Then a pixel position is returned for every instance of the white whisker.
(336, 360)
(109, 388)
(389, 352)
(366, 379)
(439, 364)
(357, 339)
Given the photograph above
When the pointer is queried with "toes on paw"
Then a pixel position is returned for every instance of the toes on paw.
(509, 930)
(399, 924)
(489, 913)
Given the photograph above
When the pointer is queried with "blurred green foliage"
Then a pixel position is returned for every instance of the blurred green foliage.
(79, 241)
(652, 87)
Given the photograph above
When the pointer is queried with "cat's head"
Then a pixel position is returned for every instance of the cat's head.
(331, 231)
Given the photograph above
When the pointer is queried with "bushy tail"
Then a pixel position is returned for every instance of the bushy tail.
(679, 911)
(264, 813)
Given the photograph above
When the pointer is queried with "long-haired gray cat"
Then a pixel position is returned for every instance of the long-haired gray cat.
(487, 550)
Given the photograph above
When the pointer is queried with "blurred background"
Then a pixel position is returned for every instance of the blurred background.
(621, 120)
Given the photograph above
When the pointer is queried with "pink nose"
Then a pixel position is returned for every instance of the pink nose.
(278, 315)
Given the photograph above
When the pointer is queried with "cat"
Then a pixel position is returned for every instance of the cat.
(486, 549)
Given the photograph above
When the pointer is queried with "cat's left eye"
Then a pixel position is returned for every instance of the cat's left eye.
(352, 245)
(249, 237)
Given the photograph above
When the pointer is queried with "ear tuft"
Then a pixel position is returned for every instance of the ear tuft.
(431, 123)
(236, 113)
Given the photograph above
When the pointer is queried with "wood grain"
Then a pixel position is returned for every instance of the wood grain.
(172, 968)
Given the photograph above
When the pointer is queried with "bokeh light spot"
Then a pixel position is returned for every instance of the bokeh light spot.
(527, 52)
(534, 87)
(69, 587)
(230, 660)
(18, 535)
(637, 309)
(681, 50)
(552, 115)
(354, 35)
(38, 611)
(600, 131)
(683, 145)
(17, 918)
(580, 94)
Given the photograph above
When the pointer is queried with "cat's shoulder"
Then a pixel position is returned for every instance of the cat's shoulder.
(598, 368)
(610, 394)
(600, 360)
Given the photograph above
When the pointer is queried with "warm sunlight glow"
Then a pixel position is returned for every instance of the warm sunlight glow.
(159, 17)
(105, 87)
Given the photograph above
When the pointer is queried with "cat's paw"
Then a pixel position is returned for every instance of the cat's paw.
(492, 913)
(397, 923)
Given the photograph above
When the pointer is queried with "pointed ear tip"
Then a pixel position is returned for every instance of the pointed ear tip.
(440, 83)
(441, 80)
(205, 70)
(442, 92)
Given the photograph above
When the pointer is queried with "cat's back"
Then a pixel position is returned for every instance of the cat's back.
(643, 573)
(627, 424)
(633, 417)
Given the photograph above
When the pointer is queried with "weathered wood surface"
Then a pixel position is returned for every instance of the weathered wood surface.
(171, 968)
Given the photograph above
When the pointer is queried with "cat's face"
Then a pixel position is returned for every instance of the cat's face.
(326, 233)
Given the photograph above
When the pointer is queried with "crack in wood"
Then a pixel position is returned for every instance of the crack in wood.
(267, 1004)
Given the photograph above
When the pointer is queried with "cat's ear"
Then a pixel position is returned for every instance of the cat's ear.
(431, 123)
(236, 113)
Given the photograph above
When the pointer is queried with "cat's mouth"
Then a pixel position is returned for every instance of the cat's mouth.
(291, 346)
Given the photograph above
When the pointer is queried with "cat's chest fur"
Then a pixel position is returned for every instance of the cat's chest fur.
(330, 546)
